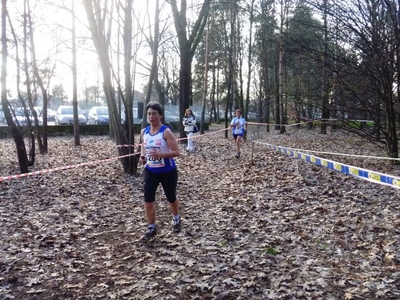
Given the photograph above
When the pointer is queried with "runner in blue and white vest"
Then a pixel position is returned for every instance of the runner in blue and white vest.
(238, 125)
(159, 147)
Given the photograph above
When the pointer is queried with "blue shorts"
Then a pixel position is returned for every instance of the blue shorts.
(236, 135)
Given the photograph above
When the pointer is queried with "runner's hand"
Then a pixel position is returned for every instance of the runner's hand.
(155, 154)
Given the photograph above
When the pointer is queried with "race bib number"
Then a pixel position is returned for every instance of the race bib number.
(153, 144)
(155, 162)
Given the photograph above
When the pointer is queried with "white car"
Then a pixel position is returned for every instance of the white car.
(65, 116)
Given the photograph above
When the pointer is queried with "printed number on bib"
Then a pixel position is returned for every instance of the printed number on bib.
(155, 162)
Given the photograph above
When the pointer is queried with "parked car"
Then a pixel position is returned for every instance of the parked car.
(2, 118)
(169, 117)
(38, 114)
(65, 116)
(136, 118)
(197, 114)
(98, 115)
(19, 116)
(51, 114)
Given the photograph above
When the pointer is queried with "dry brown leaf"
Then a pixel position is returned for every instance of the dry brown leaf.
(275, 227)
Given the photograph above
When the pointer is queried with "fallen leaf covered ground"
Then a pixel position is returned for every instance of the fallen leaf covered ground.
(265, 226)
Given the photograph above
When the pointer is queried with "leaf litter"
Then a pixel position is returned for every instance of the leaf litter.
(264, 226)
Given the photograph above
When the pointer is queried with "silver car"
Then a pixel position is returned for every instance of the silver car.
(2, 117)
(98, 115)
(65, 116)
(20, 119)
(169, 117)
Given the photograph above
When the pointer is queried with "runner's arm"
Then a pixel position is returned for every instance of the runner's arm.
(172, 144)
(233, 123)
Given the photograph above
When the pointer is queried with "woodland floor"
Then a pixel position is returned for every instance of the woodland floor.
(272, 228)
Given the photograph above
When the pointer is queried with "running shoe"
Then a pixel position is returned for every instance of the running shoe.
(237, 155)
(151, 231)
(177, 225)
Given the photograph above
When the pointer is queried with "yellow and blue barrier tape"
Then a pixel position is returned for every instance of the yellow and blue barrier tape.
(361, 173)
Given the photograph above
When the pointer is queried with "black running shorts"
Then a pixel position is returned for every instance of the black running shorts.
(168, 181)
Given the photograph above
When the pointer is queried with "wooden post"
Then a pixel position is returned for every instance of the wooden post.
(252, 149)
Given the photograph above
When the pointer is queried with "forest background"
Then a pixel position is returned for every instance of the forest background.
(288, 61)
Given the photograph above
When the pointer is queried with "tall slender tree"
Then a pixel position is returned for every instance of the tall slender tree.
(279, 104)
(187, 48)
(249, 59)
(100, 25)
(267, 53)
(205, 81)
(16, 134)
(75, 79)
(325, 83)
(154, 68)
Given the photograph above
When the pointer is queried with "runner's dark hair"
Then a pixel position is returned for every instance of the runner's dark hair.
(156, 106)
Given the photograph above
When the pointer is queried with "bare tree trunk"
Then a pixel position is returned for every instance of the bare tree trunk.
(246, 108)
(158, 87)
(187, 47)
(239, 62)
(324, 92)
(31, 157)
(284, 96)
(74, 81)
(42, 144)
(205, 82)
(215, 108)
(281, 70)
(277, 108)
(396, 18)
(101, 39)
(129, 93)
(267, 77)
(217, 93)
(234, 83)
(16, 134)
(154, 68)
(228, 73)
